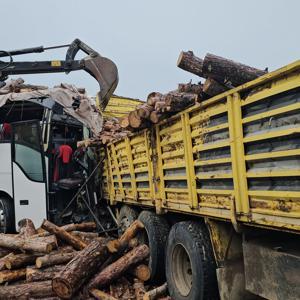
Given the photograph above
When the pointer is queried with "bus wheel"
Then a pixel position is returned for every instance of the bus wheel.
(6, 215)
(155, 236)
(126, 216)
(190, 264)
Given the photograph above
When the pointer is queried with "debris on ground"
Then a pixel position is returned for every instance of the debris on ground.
(74, 262)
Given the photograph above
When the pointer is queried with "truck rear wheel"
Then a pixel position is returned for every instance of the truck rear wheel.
(190, 264)
(126, 216)
(155, 236)
(7, 223)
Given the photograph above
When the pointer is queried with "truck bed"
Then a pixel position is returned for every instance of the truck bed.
(235, 156)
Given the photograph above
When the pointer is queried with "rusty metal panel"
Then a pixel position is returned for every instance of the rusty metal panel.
(272, 271)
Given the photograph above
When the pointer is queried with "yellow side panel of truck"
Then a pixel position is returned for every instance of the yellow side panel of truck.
(235, 156)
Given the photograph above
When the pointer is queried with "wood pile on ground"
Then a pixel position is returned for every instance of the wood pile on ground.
(220, 75)
(74, 262)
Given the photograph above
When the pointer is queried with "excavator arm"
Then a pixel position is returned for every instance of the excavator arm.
(101, 68)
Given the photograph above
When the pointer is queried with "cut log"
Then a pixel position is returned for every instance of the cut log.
(18, 243)
(50, 239)
(80, 269)
(228, 71)
(156, 293)
(153, 98)
(86, 226)
(4, 252)
(134, 242)
(212, 87)
(144, 111)
(34, 274)
(83, 234)
(27, 228)
(134, 120)
(100, 295)
(16, 261)
(116, 269)
(124, 123)
(12, 275)
(64, 235)
(156, 117)
(55, 259)
(190, 88)
(24, 291)
(139, 289)
(189, 62)
(160, 106)
(141, 272)
(180, 101)
(3, 260)
(122, 243)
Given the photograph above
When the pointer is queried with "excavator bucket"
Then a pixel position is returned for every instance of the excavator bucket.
(106, 73)
(101, 68)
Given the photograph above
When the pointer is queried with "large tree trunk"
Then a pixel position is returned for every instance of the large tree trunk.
(177, 102)
(212, 88)
(25, 291)
(55, 259)
(134, 120)
(190, 63)
(64, 235)
(34, 274)
(16, 261)
(116, 269)
(12, 275)
(80, 269)
(27, 228)
(19, 243)
(100, 295)
(228, 71)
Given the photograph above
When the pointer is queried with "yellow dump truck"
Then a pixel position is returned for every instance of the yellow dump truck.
(218, 189)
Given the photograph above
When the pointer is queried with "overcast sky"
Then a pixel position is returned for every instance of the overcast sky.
(144, 38)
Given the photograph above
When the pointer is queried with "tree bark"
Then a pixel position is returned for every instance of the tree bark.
(86, 226)
(141, 272)
(157, 292)
(55, 259)
(116, 269)
(27, 228)
(50, 239)
(80, 269)
(64, 235)
(16, 261)
(139, 289)
(144, 111)
(228, 71)
(3, 260)
(12, 275)
(83, 234)
(24, 291)
(190, 88)
(180, 101)
(212, 87)
(190, 63)
(122, 243)
(34, 274)
(4, 252)
(18, 243)
(99, 295)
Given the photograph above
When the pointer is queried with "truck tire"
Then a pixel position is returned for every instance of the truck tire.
(190, 263)
(126, 216)
(155, 236)
(7, 219)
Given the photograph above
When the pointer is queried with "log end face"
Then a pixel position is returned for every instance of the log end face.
(61, 288)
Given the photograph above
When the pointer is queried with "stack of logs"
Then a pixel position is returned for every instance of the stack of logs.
(220, 75)
(74, 262)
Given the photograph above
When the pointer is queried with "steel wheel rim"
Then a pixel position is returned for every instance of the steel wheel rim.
(2, 218)
(182, 270)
